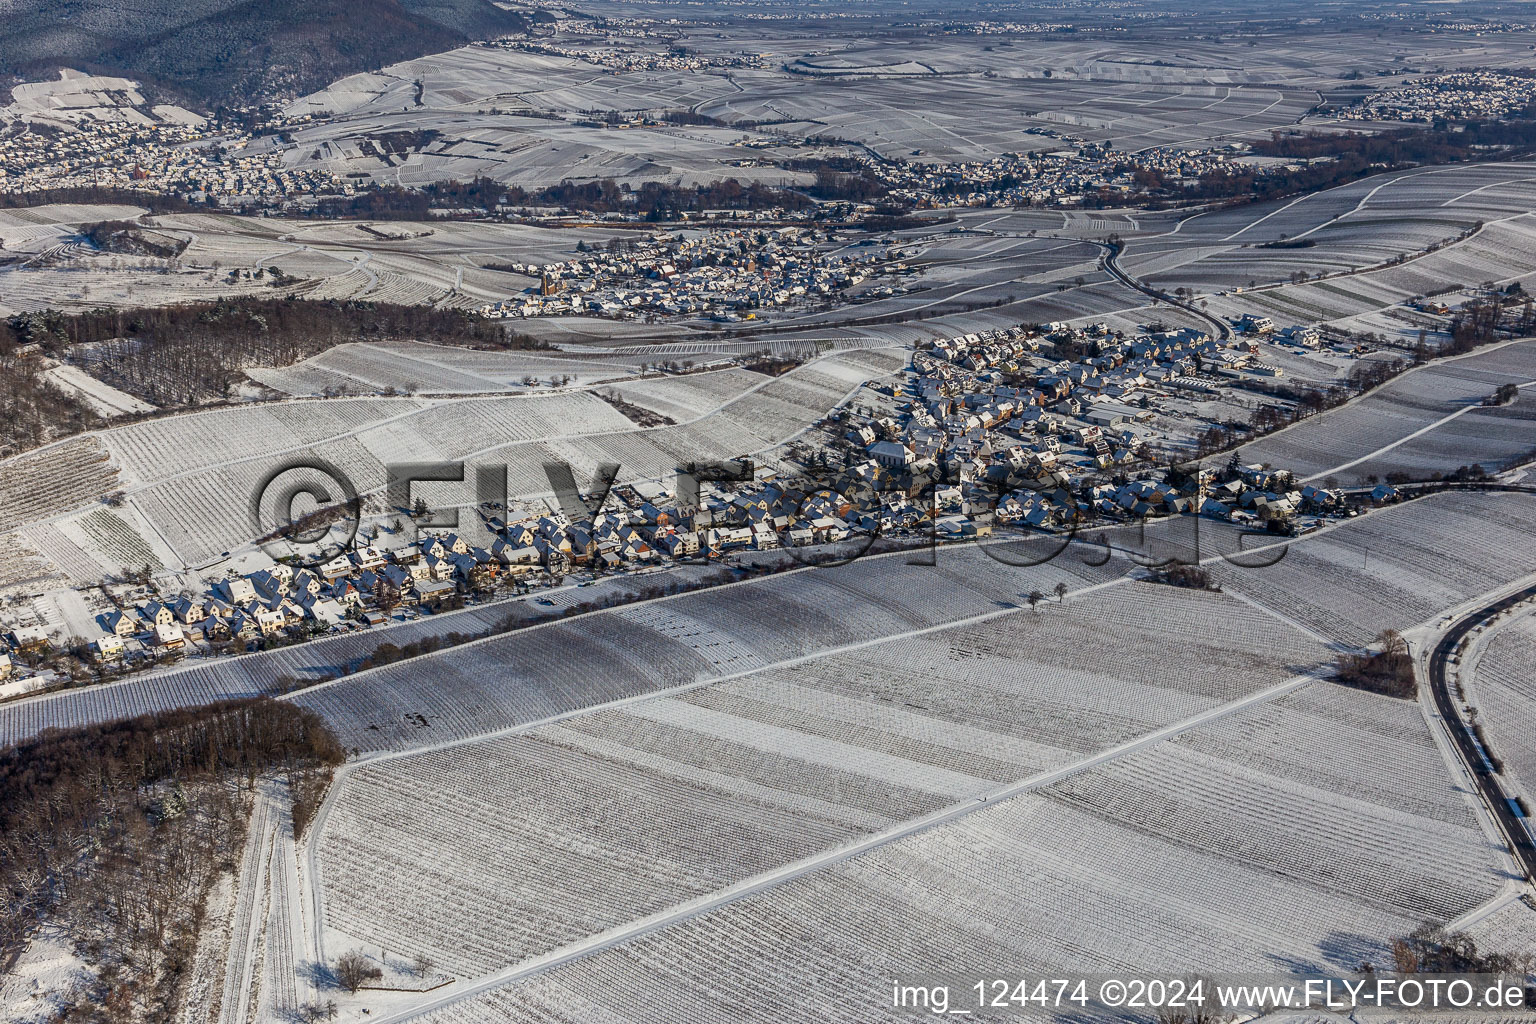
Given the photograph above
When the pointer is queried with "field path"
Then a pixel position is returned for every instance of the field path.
(283, 988)
(767, 880)
(250, 903)
(1405, 438)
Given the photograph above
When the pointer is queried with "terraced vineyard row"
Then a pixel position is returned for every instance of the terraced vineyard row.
(53, 481)
(1398, 566)
(625, 811)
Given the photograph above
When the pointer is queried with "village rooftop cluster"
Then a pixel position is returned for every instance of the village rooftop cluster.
(1039, 428)
(172, 159)
(1068, 175)
(638, 60)
(1462, 96)
(726, 274)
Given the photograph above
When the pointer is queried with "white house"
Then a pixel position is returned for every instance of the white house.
(238, 590)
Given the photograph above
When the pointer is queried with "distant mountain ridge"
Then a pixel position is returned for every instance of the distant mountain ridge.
(218, 52)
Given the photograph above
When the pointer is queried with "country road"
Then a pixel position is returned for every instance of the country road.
(1112, 264)
(1489, 784)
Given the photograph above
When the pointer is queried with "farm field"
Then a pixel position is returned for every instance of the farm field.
(950, 100)
(1510, 929)
(53, 480)
(180, 472)
(1348, 228)
(365, 368)
(441, 263)
(682, 641)
(1348, 443)
(1505, 689)
(1171, 854)
(673, 796)
(1397, 567)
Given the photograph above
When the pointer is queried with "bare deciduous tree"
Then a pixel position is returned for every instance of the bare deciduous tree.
(353, 969)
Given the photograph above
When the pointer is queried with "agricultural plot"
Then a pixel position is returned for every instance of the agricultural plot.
(21, 564)
(48, 551)
(1505, 689)
(437, 263)
(416, 367)
(1182, 854)
(1460, 190)
(672, 797)
(1491, 438)
(184, 471)
(112, 542)
(1500, 252)
(155, 450)
(1349, 442)
(53, 480)
(1510, 929)
(554, 669)
(689, 396)
(1396, 567)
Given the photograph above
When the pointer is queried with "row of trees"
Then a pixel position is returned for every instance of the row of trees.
(653, 200)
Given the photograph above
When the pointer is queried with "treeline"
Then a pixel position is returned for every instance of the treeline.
(128, 238)
(840, 178)
(33, 409)
(196, 352)
(1432, 949)
(115, 833)
(154, 202)
(653, 200)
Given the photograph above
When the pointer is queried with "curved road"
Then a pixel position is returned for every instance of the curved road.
(1111, 264)
(1488, 782)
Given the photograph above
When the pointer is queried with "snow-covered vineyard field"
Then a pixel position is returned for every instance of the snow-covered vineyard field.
(1491, 438)
(1477, 189)
(1504, 680)
(51, 481)
(438, 263)
(419, 368)
(687, 397)
(684, 640)
(1317, 447)
(193, 477)
(366, 368)
(1398, 566)
(669, 798)
(1501, 252)
(1358, 225)
(1193, 854)
(1510, 929)
(21, 563)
